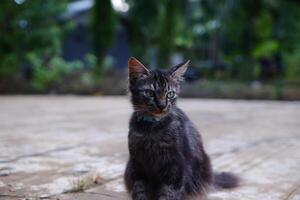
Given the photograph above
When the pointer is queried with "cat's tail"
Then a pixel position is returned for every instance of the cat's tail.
(225, 180)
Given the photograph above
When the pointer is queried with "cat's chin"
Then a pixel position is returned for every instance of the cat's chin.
(158, 114)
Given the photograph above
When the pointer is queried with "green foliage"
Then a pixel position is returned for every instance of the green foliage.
(170, 29)
(29, 27)
(157, 24)
(287, 29)
(8, 65)
(103, 27)
(31, 36)
(266, 49)
(144, 19)
(90, 60)
(249, 31)
(47, 75)
(287, 26)
(237, 34)
(292, 71)
(104, 66)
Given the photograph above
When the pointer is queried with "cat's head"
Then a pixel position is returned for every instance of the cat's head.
(154, 92)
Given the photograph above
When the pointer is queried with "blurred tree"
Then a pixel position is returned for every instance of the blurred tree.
(287, 30)
(27, 27)
(250, 39)
(247, 35)
(103, 29)
(31, 33)
(170, 30)
(144, 20)
(241, 35)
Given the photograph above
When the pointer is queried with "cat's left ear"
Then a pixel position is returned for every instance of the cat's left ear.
(178, 71)
(137, 69)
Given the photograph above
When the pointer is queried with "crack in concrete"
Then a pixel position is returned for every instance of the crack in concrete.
(12, 196)
(45, 153)
(292, 192)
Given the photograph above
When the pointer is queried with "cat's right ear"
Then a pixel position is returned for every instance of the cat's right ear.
(136, 69)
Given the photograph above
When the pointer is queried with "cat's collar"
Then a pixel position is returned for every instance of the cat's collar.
(148, 118)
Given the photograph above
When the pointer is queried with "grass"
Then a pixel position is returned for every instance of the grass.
(81, 183)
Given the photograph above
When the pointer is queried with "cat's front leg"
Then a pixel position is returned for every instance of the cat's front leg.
(134, 181)
(139, 191)
(168, 192)
(172, 182)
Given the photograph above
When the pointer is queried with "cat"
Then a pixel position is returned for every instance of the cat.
(167, 160)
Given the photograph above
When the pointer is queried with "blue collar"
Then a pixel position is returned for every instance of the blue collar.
(148, 118)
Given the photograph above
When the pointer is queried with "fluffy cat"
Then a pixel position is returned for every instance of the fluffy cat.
(167, 159)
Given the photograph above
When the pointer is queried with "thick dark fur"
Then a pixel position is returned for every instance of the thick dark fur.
(167, 159)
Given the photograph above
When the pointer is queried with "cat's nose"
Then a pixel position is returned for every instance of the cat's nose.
(162, 105)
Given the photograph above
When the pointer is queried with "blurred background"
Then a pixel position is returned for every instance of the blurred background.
(238, 48)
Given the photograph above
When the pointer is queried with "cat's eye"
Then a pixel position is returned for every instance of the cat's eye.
(149, 93)
(171, 94)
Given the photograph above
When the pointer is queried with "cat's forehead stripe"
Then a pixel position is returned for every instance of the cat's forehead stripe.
(160, 79)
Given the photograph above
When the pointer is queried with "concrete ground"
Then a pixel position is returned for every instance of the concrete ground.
(70, 147)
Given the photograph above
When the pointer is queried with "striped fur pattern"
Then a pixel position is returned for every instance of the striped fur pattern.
(167, 159)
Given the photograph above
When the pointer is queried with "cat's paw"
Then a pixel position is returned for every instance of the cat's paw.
(167, 192)
(140, 197)
(139, 191)
(162, 198)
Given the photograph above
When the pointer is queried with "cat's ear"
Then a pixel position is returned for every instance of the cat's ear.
(137, 69)
(179, 70)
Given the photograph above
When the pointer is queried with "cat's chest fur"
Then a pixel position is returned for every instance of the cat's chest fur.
(151, 141)
(153, 149)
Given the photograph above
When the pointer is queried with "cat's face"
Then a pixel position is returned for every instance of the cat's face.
(154, 92)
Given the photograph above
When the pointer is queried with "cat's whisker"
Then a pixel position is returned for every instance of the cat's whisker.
(138, 108)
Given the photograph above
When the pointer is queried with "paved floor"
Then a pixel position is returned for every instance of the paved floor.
(70, 147)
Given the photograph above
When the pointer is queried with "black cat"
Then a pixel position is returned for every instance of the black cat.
(167, 159)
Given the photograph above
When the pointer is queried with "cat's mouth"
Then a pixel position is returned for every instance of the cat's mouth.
(158, 113)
